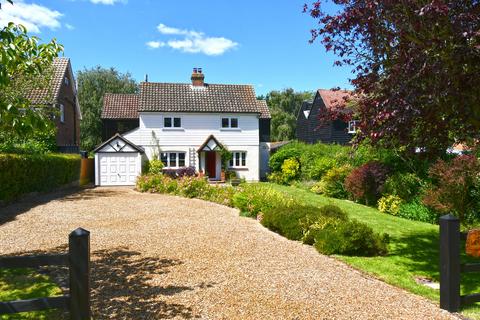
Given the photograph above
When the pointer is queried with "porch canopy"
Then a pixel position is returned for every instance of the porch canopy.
(210, 148)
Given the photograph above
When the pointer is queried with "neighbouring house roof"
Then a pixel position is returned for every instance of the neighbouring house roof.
(118, 136)
(120, 106)
(182, 97)
(334, 98)
(51, 94)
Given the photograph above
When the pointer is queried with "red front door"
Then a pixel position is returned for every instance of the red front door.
(211, 164)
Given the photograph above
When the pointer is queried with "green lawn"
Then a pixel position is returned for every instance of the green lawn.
(19, 284)
(413, 250)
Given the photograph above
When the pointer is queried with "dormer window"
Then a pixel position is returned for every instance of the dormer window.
(229, 123)
(172, 122)
(352, 126)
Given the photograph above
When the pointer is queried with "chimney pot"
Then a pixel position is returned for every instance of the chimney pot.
(198, 78)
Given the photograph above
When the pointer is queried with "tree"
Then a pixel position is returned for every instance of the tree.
(92, 86)
(284, 107)
(416, 65)
(25, 65)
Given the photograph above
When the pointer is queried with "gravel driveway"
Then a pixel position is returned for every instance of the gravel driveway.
(163, 257)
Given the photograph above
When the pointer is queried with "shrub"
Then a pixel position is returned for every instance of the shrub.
(180, 172)
(186, 186)
(349, 238)
(454, 186)
(415, 210)
(319, 168)
(192, 187)
(25, 173)
(290, 169)
(332, 183)
(221, 195)
(253, 199)
(366, 183)
(276, 160)
(285, 219)
(324, 215)
(404, 185)
(154, 166)
(390, 204)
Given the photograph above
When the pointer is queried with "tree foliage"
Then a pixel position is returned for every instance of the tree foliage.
(284, 106)
(24, 65)
(92, 86)
(416, 65)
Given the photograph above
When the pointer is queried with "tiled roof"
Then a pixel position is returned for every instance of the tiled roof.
(334, 98)
(51, 93)
(264, 111)
(120, 106)
(179, 97)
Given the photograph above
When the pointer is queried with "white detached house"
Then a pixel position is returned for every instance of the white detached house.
(185, 125)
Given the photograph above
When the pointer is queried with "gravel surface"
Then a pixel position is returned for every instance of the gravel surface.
(163, 257)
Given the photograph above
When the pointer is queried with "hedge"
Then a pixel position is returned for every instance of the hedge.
(23, 173)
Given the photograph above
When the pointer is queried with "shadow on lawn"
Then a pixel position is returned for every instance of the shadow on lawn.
(423, 253)
(122, 285)
(9, 212)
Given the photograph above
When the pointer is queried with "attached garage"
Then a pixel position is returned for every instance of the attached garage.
(118, 162)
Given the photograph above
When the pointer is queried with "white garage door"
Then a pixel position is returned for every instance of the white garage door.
(118, 169)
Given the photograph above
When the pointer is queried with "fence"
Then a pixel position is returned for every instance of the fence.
(451, 266)
(77, 302)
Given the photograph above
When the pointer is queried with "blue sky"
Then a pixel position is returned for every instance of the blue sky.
(263, 43)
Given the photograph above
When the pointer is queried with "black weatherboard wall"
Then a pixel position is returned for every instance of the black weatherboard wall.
(309, 129)
(114, 126)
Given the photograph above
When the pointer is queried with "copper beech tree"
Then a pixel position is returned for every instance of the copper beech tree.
(415, 65)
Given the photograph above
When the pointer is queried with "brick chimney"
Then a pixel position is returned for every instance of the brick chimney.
(198, 78)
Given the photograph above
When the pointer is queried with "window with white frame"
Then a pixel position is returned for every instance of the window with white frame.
(239, 159)
(173, 159)
(172, 122)
(62, 113)
(352, 126)
(229, 123)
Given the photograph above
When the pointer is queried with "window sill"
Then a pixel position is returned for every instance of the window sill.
(173, 129)
(230, 129)
(238, 168)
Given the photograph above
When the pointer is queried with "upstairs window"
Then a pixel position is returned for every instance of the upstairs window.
(62, 113)
(352, 126)
(239, 159)
(173, 159)
(66, 81)
(229, 122)
(169, 122)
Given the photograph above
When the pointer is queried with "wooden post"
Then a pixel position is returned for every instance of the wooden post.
(79, 258)
(450, 263)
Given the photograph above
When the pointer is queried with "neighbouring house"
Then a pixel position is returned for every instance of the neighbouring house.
(311, 130)
(61, 94)
(184, 125)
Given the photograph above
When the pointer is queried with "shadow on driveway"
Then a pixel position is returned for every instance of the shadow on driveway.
(9, 212)
(122, 285)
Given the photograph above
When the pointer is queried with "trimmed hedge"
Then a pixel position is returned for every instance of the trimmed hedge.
(23, 173)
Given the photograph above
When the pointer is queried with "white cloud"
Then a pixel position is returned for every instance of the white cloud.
(32, 16)
(155, 44)
(193, 42)
(69, 26)
(108, 2)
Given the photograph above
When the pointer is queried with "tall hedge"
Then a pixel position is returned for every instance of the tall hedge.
(23, 173)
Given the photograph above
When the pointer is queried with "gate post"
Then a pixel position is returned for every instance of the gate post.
(79, 259)
(450, 263)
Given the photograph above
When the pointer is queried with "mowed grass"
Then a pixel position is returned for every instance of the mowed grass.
(413, 250)
(21, 284)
